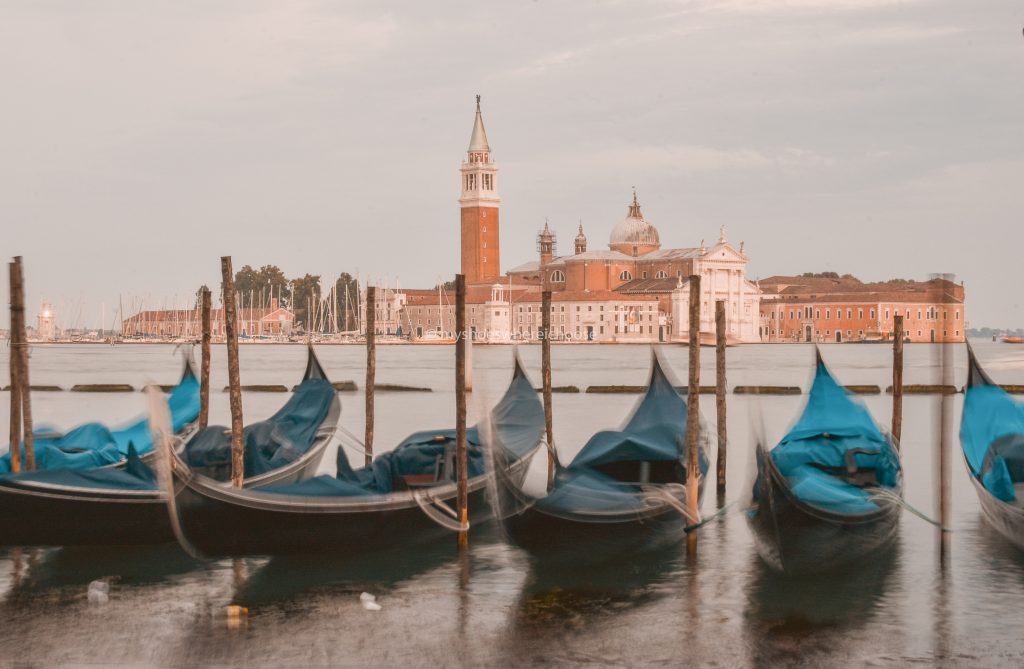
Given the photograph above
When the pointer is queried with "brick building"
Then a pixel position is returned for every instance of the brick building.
(828, 309)
(187, 323)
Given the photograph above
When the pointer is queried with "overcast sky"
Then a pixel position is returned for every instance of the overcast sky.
(141, 141)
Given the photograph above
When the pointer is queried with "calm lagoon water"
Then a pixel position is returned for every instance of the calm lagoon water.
(495, 607)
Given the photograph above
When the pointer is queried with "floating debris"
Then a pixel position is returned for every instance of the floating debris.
(99, 592)
(369, 602)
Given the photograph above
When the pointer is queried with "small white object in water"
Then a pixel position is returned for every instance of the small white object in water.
(369, 602)
(99, 592)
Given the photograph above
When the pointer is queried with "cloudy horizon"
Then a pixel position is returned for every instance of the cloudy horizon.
(881, 138)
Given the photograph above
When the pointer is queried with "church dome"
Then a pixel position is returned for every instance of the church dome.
(634, 230)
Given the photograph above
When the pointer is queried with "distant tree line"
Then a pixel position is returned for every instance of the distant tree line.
(995, 332)
(257, 287)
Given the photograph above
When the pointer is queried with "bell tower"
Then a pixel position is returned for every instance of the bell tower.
(479, 202)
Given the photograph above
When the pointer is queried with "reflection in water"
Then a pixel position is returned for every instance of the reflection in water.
(560, 596)
(69, 570)
(812, 613)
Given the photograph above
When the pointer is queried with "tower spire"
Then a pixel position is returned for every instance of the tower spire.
(634, 208)
(478, 141)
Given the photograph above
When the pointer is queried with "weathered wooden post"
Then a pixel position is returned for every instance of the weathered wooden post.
(460, 406)
(234, 383)
(693, 414)
(371, 368)
(945, 429)
(204, 366)
(720, 391)
(545, 372)
(897, 379)
(24, 377)
(14, 367)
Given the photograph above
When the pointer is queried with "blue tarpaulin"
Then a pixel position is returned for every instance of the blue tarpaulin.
(96, 445)
(992, 435)
(518, 421)
(271, 443)
(813, 453)
(654, 433)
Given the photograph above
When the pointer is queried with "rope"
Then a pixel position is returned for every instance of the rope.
(357, 446)
(716, 515)
(893, 497)
(432, 508)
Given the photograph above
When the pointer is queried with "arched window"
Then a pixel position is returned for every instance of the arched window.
(558, 276)
(661, 274)
(624, 275)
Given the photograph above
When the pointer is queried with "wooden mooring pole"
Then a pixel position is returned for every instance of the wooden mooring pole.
(545, 373)
(234, 382)
(720, 392)
(371, 368)
(14, 366)
(945, 430)
(460, 406)
(204, 365)
(21, 396)
(897, 379)
(693, 414)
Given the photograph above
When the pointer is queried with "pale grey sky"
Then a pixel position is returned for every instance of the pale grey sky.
(142, 140)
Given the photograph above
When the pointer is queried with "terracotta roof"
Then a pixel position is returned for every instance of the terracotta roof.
(638, 286)
(820, 289)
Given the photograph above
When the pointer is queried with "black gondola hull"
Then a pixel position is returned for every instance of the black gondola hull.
(33, 515)
(591, 539)
(217, 523)
(55, 517)
(794, 537)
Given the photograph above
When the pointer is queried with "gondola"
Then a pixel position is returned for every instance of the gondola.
(96, 445)
(406, 496)
(992, 439)
(125, 506)
(830, 493)
(622, 494)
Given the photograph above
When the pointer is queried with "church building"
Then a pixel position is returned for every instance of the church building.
(633, 291)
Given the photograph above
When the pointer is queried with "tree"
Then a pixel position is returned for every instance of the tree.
(305, 292)
(346, 292)
(257, 288)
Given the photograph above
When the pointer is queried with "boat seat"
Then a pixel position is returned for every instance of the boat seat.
(642, 472)
(444, 470)
(850, 472)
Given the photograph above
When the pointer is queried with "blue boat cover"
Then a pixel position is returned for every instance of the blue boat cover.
(833, 422)
(136, 475)
(655, 432)
(992, 437)
(518, 421)
(96, 445)
(269, 444)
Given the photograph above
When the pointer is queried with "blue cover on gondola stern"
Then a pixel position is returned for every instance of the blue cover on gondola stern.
(269, 444)
(989, 414)
(992, 435)
(833, 422)
(96, 445)
(135, 476)
(656, 431)
(518, 421)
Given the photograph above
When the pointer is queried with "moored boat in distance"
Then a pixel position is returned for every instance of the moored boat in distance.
(830, 493)
(1013, 340)
(992, 439)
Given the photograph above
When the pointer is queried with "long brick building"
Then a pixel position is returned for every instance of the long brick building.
(843, 309)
